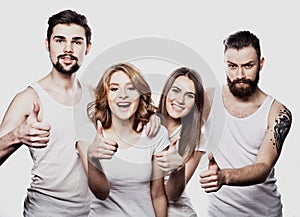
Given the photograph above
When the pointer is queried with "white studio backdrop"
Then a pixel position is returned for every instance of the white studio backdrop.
(200, 25)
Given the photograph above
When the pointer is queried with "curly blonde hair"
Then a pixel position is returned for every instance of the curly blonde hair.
(99, 108)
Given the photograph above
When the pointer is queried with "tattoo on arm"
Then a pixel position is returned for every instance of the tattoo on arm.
(282, 127)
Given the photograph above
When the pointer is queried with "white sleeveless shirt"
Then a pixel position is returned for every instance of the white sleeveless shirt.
(59, 185)
(237, 147)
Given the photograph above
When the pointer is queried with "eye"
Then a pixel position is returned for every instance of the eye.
(131, 88)
(190, 96)
(59, 40)
(232, 66)
(248, 66)
(175, 90)
(113, 89)
(77, 42)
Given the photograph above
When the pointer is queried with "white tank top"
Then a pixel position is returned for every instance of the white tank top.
(237, 147)
(58, 178)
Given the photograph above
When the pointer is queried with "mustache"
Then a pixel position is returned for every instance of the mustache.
(69, 55)
(241, 80)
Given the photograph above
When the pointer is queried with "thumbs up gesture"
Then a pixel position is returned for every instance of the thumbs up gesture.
(101, 148)
(32, 132)
(170, 160)
(212, 179)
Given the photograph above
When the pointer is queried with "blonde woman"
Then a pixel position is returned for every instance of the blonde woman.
(122, 171)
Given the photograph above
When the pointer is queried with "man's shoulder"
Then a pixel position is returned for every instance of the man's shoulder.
(27, 94)
(279, 111)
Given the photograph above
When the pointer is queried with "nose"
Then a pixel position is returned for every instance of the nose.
(240, 72)
(68, 47)
(123, 93)
(181, 98)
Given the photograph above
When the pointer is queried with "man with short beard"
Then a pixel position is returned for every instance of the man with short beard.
(240, 179)
(41, 117)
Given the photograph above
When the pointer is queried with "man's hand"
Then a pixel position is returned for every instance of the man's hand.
(32, 132)
(101, 148)
(211, 179)
(170, 160)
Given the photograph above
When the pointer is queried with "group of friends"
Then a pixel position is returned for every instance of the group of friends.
(109, 150)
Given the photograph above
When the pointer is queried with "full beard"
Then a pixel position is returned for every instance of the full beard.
(243, 92)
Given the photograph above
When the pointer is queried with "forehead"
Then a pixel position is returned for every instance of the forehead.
(184, 83)
(119, 77)
(241, 56)
(68, 31)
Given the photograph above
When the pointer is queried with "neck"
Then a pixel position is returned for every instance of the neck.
(122, 127)
(172, 124)
(63, 81)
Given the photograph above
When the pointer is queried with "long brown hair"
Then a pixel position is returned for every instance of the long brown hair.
(99, 108)
(192, 123)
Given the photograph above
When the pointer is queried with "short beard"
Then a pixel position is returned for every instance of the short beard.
(243, 93)
(60, 68)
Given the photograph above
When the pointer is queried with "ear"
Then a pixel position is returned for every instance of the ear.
(47, 44)
(261, 63)
(88, 48)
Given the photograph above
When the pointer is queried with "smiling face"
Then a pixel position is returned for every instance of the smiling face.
(67, 47)
(180, 98)
(123, 97)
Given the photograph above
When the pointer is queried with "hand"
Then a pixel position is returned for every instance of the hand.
(170, 160)
(101, 148)
(152, 127)
(211, 179)
(32, 132)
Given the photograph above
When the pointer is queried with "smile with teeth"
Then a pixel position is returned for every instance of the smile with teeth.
(177, 107)
(123, 105)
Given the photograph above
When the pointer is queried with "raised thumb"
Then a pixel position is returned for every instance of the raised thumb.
(100, 129)
(35, 111)
(174, 142)
(212, 161)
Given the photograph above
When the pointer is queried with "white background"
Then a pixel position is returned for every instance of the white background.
(201, 25)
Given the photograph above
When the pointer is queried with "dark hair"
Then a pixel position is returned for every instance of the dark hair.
(99, 109)
(242, 39)
(69, 17)
(192, 123)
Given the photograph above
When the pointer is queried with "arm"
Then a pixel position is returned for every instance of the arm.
(158, 196)
(279, 124)
(153, 126)
(97, 180)
(21, 125)
(179, 178)
(101, 148)
(81, 150)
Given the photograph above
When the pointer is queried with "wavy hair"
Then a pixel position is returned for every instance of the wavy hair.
(99, 108)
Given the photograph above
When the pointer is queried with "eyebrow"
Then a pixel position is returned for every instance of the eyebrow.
(119, 83)
(185, 92)
(76, 38)
(247, 63)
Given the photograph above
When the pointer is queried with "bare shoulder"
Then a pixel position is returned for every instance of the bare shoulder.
(280, 112)
(27, 95)
(18, 109)
(23, 101)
